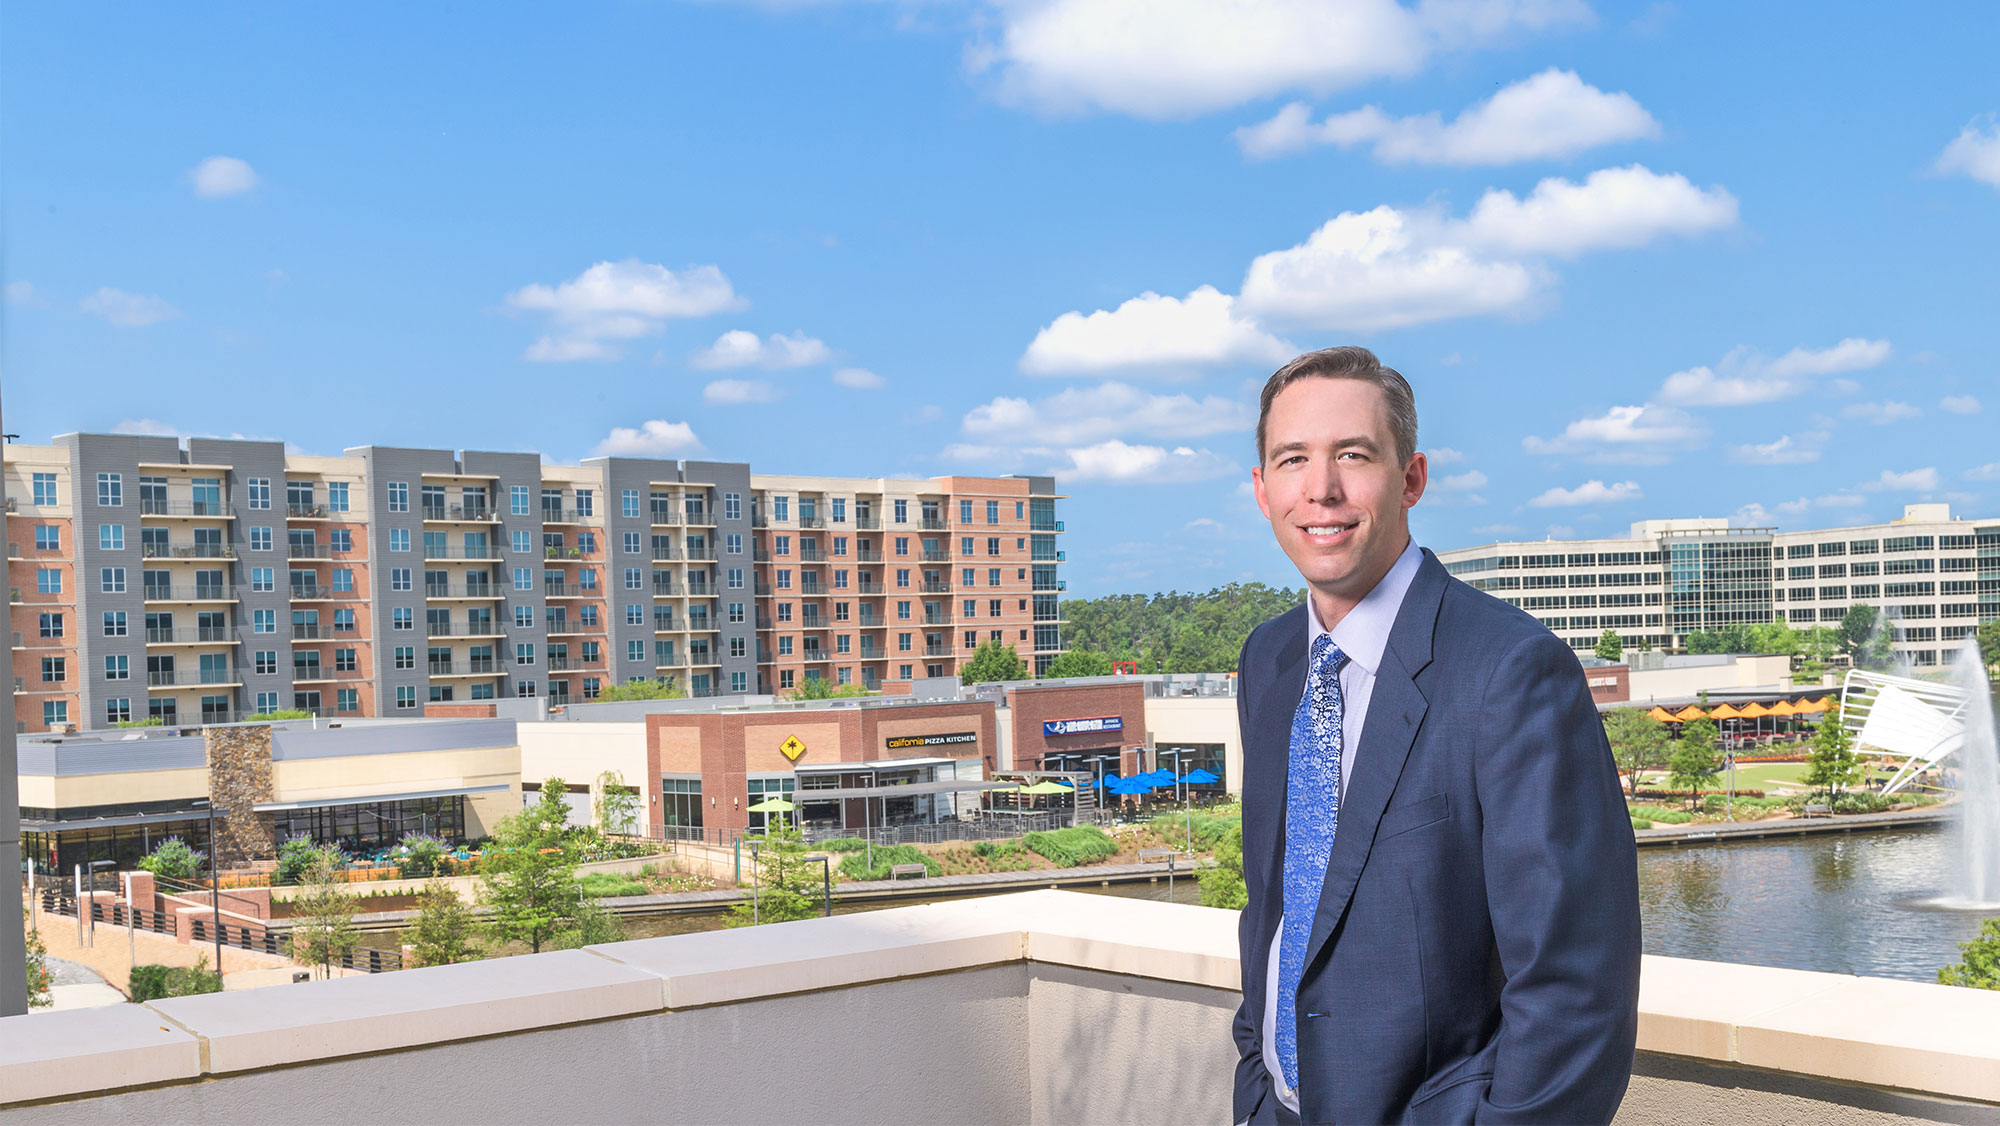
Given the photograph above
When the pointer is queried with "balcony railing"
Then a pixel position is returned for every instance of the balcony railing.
(665, 517)
(811, 555)
(1044, 525)
(815, 656)
(461, 590)
(866, 586)
(938, 618)
(935, 586)
(563, 627)
(190, 678)
(936, 556)
(484, 667)
(867, 555)
(667, 588)
(488, 554)
(937, 650)
(314, 592)
(666, 554)
(299, 511)
(570, 590)
(462, 629)
(812, 521)
(202, 592)
(309, 551)
(701, 554)
(186, 551)
(873, 653)
(219, 509)
(813, 621)
(934, 524)
(307, 674)
(564, 516)
(868, 523)
(461, 513)
(219, 635)
(870, 621)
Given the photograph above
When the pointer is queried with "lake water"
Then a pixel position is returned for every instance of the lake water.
(1838, 902)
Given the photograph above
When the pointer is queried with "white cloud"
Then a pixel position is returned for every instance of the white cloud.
(221, 176)
(1746, 377)
(1496, 529)
(1461, 482)
(1880, 414)
(1988, 472)
(1443, 455)
(1839, 500)
(1961, 404)
(1784, 451)
(1614, 208)
(1084, 415)
(1753, 515)
(1590, 492)
(728, 392)
(1914, 481)
(652, 438)
(153, 427)
(739, 349)
(1153, 331)
(1387, 268)
(614, 301)
(1561, 532)
(1116, 462)
(1639, 434)
(1975, 152)
(24, 293)
(859, 379)
(1554, 114)
(1179, 58)
(128, 310)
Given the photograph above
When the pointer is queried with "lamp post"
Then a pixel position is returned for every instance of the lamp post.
(214, 882)
(13, 931)
(755, 884)
(826, 881)
(1171, 855)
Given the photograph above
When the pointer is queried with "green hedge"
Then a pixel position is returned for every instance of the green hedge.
(844, 844)
(600, 885)
(1638, 823)
(1072, 847)
(153, 982)
(1208, 831)
(998, 850)
(854, 865)
(1665, 816)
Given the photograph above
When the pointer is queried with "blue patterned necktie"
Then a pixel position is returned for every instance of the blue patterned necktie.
(1312, 810)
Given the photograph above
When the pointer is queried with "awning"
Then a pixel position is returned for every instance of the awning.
(865, 767)
(371, 799)
(37, 825)
(947, 786)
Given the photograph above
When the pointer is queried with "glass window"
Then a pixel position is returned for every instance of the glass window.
(781, 508)
(401, 618)
(111, 580)
(118, 668)
(48, 580)
(48, 537)
(586, 502)
(51, 625)
(633, 546)
(517, 500)
(732, 506)
(399, 578)
(45, 490)
(110, 537)
(399, 539)
(336, 496)
(263, 621)
(110, 490)
(260, 539)
(524, 653)
(406, 697)
(902, 512)
(965, 512)
(114, 623)
(399, 496)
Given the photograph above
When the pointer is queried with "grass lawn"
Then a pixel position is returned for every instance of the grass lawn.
(1766, 776)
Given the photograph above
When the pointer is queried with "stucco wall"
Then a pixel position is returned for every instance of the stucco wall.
(1199, 719)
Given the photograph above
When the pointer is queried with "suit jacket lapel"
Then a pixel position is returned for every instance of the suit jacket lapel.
(1273, 739)
(1396, 710)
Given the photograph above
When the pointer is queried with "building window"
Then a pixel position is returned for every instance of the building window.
(51, 625)
(965, 577)
(993, 545)
(399, 498)
(784, 678)
(110, 490)
(405, 656)
(55, 712)
(265, 662)
(343, 578)
(992, 512)
(739, 682)
(635, 651)
(734, 577)
(524, 578)
(781, 508)
(632, 544)
(406, 697)
(399, 578)
(336, 496)
(117, 710)
(902, 545)
(399, 539)
(903, 645)
(111, 580)
(635, 578)
(48, 537)
(347, 699)
(903, 576)
(114, 623)
(993, 608)
(401, 618)
(902, 512)
(524, 617)
(993, 576)
(263, 621)
(784, 578)
(45, 490)
(965, 512)
(524, 653)
(628, 503)
(518, 497)
(110, 537)
(260, 539)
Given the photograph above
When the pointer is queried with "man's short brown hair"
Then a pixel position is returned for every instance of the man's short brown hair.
(1349, 363)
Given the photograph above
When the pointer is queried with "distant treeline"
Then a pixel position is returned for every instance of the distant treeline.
(1176, 632)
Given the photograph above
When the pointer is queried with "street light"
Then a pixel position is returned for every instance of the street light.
(214, 881)
(826, 880)
(1171, 855)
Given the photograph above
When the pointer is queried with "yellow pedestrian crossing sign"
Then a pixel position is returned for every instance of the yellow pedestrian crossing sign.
(792, 748)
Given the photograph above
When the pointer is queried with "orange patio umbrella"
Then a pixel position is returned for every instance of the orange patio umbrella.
(1726, 711)
(1784, 707)
(1818, 705)
(1690, 712)
(1662, 714)
(1754, 710)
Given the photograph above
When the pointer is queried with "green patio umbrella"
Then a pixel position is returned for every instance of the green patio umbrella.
(1045, 787)
(771, 805)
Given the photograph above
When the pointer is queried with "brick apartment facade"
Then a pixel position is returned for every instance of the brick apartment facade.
(222, 578)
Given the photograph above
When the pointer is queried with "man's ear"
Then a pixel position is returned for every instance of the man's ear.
(1416, 478)
(1257, 488)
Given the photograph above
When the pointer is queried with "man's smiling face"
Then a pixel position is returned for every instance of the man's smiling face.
(1331, 486)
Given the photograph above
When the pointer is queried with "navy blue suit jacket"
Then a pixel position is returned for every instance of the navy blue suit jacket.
(1476, 952)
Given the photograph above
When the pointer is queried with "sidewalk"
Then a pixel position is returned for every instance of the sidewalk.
(112, 956)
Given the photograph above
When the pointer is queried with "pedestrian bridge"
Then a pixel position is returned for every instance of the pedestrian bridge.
(1038, 1007)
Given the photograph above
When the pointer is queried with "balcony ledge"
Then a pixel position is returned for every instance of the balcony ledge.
(1826, 1031)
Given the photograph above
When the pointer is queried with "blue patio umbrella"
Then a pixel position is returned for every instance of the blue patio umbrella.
(1199, 777)
(1127, 787)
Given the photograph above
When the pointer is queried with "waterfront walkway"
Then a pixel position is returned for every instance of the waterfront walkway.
(1790, 827)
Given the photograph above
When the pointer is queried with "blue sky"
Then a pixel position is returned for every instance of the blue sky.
(1639, 260)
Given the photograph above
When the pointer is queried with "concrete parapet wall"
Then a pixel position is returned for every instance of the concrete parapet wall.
(1042, 1007)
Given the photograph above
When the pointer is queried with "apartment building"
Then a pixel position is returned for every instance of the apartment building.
(1935, 576)
(204, 582)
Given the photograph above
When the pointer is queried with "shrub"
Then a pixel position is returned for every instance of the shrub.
(174, 860)
(1072, 847)
(153, 982)
(844, 844)
(1207, 831)
(1860, 802)
(598, 885)
(298, 855)
(854, 865)
(991, 850)
(423, 856)
(1664, 816)
(1639, 824)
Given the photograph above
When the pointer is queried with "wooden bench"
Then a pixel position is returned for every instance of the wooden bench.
(1817, 811)
(898, 871)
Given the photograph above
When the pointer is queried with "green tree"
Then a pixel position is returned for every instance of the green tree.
(1176, 632)
(278, 713)
(1694, 759)
(39, 978)
(1222, 883)
(658, 688)
(1865, 635)
(1638, 741)
(617, 804)
(530, 872)
(820, 688)
(787, 887)
(1980, 968)
(323, 914)
(1080, 662)
(994, 660)
(1610, 647)
(173, 859)
(1988, 638)
(444, 929)
(1817, 646)
(1832, 765)
(591, 925)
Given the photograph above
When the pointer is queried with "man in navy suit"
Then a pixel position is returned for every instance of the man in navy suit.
(1443, 917)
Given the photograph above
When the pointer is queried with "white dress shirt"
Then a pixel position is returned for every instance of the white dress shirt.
(1363, 635)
